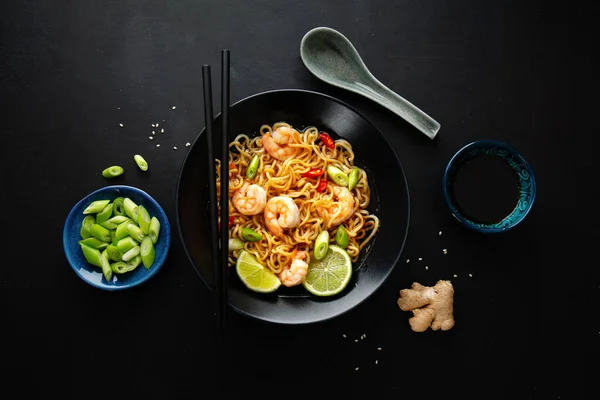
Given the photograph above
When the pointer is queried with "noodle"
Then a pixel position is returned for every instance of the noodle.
(284, 177)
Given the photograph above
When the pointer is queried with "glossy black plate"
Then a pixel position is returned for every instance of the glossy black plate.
(389, 200)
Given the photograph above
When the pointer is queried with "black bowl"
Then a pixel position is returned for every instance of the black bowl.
(389, 201)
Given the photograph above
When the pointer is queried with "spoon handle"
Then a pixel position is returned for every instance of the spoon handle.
(383, 95)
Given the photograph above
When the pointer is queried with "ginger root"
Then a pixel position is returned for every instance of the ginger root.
(431, 306)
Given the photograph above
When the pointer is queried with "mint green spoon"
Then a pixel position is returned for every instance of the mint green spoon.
(331, 57)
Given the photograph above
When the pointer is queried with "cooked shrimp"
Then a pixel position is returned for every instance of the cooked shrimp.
(343, 208)
(250, 199)
(277, 143)
(296, 272)
(281, 212)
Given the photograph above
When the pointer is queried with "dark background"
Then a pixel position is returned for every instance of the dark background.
(518, 71)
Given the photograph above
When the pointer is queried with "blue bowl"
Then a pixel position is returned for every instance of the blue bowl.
(93, 275)
(526, 177)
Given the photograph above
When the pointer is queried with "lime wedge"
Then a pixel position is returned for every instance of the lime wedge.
(329, 275)
(254, 275)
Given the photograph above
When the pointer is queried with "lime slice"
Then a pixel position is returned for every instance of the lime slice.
(329, 275)
(254, 275)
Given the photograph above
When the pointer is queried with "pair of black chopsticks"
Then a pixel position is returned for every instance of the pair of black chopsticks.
(219, 253)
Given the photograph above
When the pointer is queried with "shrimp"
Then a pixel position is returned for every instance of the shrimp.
(250, 199)
(296, 272)
(343, 208)
(277, 143)
(281, 212)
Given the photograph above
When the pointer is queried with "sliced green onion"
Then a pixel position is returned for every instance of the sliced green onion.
(353, 178)
(113, 172)
(119, 267)
(118, 208)
(235, 244)
(91, 255)
(94, 243)
(134, 263)
(87, 222)
(121, 231)
(154, 229)
(251, 235)
(131, 209)
(129, 254)
(105, 265)
(105, 214)
(341, 237)
(139, 160)
(126, 244)
(113, 237)
(114, 253)
(321, 245)
(96, 206)
(147, 252)
(135, 232)
(253, 167)
(143, 219)
(337, 175)
(100, 233)
(114, 222)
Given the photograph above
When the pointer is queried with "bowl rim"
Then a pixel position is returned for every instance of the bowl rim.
(166, 226)
(404, 180)
(522, 167)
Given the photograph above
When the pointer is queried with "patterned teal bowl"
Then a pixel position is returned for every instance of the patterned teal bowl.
(525, 176)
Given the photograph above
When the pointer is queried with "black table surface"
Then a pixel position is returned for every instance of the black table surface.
(72, 72)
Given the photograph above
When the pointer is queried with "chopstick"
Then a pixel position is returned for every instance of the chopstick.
(219, 253)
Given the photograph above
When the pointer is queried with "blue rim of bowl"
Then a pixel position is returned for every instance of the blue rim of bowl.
(525, 174)
(146, 277)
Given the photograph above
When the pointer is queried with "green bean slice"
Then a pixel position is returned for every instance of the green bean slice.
(114, 253)
(105, 265)
(94, 243)
(119, 267)
(86, 224)
(126, 244)
(131, 209)
(321, 245)
(134, 263)
(114, 222)
(135, 232)
(251, 235)
(113, 172)
(147, 252)
(91, 255)
(253, 167)
(341, 237)
(121, 231)
(337, 175)
(100, 233)
(143, 219)
(96, 206)
(105, 214)
(154, 229)
(129, 254)
(141, 163)
(353, 178)
(118, 208)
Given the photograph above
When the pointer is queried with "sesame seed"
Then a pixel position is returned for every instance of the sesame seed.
(187, 144)
(426, 267)
(121, 125)
(376, 361)
(153, 125)
(344, 335)
(118, 108)
(157, 124)
(407, 260)
(153, 132)
(356, 340)
(456, 276)
(150, 137)
(174, 148)
(172, 108)
(162, 130)
(440, 233)
(470, 275)
(420, 259)
(158, 145)
(379, 348)
(356, 369)
(445, 251)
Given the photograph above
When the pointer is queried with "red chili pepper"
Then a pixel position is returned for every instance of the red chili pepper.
(232, 166)
(322, 186)
(313, 173)
(327, 140)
